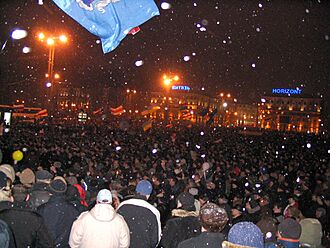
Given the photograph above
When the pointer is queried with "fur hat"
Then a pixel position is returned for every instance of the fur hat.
(27, 177)
(57, 186)
(8, 170)
(311, 232)
(144, 187)
(246, 234)
(213, 218)
(187, 201)
(290, 229)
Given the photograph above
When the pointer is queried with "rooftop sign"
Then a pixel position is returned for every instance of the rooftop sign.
(180, 87)
(286, 91)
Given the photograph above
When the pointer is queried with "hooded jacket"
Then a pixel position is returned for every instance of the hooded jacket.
(183, 225)
(100, 227)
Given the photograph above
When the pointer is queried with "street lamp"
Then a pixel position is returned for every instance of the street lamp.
(51, 42)
(167, 81)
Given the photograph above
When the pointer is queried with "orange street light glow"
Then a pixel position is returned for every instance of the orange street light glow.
(41, 36)
(63, 38)
(176, 78)
(50, 41)
(167, 81)
(57, 76)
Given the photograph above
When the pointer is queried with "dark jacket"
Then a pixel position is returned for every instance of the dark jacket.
(204, 240)
(27, 227)
(59, 216)
(143, 221)
(38, 195)
(183, 225)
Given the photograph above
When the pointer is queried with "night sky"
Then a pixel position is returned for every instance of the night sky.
(244, 47)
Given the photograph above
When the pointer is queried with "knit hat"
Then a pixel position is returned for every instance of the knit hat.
(8, 170)
(290, 229)
(212, 217)
(57, 186)
(246, 234)
(43, 175)
(187, 201)
(3, 180)
(311, 232)
(104, 196)
(27, 176)
(144, 187)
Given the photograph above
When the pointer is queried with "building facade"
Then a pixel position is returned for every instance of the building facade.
(290, 113)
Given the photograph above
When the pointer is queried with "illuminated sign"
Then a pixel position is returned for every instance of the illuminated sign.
(286, 91)
(180, 87)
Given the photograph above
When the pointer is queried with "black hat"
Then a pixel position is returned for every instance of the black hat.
(43, 175)
(290, 229)
(57, 186)
(187, 201)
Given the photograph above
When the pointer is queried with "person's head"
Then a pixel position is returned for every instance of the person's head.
(186, 201)
(104, 197)
(5, 187)
(43, 176)
(144, 188)
(236, 211)
(245, 234)
(311, 232)
(264, 200)
(212, 218)
(20, 193)
(277, 208)
(9, 171)
(27, 177)
(320, 212)
(58, 186)
(289, 229)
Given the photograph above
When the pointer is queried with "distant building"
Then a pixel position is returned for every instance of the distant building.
(290, 113)
(70, 99)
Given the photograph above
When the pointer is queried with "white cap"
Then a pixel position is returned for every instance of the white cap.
(104, 196)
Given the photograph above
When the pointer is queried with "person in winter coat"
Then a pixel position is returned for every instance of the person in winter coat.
(58, 214)
(39, 192)
(184, 223)
(28, 227)
(100, 227)
(142, 218)
(72, 195)
(213, 219)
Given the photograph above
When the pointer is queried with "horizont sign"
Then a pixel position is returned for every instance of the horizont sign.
(286, 91)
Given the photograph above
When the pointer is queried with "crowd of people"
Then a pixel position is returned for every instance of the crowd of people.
(171, 186)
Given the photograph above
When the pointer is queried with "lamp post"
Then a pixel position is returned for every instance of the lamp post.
(51, 42)
(167, 81)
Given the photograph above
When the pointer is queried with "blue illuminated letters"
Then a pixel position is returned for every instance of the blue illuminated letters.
(180, 87)
(286, 91)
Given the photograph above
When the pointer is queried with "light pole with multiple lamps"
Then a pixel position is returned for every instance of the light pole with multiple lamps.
(51, 42)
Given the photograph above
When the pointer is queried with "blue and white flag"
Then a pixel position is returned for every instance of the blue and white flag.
(111, 20)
